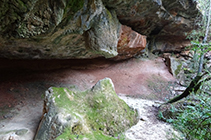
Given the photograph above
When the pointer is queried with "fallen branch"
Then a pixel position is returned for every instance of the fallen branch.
(193, 87)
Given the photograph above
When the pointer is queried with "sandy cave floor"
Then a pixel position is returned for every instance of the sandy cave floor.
(23, 84)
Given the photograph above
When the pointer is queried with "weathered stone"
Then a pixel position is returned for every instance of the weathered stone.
(41, 29)
(102, 38)
(164, 44)
(93, 114)
(166, 23)
(175, 67)
(130, 43)
(58, 31)
(16, 134)
(151, 17)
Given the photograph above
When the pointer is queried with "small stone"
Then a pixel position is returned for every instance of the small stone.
(173, 92)
(11, 138)
(179, 88)
(143, 118)
(21, 132)
(11, 89)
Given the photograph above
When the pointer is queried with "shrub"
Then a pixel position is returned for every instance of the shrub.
(194, 121)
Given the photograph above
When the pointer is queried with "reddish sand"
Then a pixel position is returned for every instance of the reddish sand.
(23, 83)
(132, 77)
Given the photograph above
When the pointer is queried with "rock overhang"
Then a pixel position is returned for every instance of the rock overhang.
(93, 28)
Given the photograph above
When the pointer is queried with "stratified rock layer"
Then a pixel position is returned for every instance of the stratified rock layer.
(92, 115)
(130, 43)
(47, 29)
(166, 23)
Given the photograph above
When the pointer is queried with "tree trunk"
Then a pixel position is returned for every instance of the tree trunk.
(204, 41)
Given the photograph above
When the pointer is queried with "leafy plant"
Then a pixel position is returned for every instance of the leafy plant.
(195, 121)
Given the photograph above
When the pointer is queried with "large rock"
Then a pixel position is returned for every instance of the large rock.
(166, 23)
(92, 115)
(58, 30)
(52, 30)
(47, 29)
(175, 67)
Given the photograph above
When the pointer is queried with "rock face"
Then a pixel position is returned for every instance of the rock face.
(130, 43)
(176, 68)
(47, 29)
(165, 22)
(94, 114)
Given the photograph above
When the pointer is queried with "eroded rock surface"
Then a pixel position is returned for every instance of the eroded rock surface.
(63, 29)
(94, 114)
(130, 43)
(165, 22)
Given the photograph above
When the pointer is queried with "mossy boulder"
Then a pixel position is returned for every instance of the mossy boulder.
(94, 114)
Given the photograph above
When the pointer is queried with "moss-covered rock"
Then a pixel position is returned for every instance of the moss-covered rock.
(93, 114)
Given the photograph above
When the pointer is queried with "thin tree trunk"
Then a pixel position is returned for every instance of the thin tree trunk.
(193, 87)
(204, 41)
(187, 91)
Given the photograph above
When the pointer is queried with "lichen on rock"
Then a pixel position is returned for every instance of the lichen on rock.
(94, 114)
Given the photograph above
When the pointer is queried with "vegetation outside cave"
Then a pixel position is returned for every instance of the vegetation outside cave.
(192, 115)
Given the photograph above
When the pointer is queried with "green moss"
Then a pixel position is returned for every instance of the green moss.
(124, 39)
(102, 113)
(75, 5)
(178, 69)
(61, 97)
(20, 5)
(11, 13)
(109, 15)
(71, 8)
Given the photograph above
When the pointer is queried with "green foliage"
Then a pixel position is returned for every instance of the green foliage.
(201, 32)
(198, 46)
(178, 69)
(195, 120)
(201, 21)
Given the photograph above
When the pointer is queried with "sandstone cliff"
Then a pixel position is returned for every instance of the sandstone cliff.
(118, 29)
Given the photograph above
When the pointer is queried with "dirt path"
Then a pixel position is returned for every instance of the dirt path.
(148, 127)
(23, 84)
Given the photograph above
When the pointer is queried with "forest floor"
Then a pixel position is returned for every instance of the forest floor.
(142, 83)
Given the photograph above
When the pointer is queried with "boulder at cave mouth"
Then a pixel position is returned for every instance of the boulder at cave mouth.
(93, 114)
